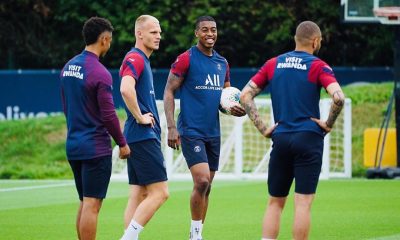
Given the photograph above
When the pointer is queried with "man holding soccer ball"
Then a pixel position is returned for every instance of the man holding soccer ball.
(295, 79)
(200, 74)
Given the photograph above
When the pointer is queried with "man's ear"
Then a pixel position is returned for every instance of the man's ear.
(139, 34)
(315, 43)
(103, 40)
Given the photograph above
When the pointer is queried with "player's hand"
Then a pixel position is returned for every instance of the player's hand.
(124, 152)
(322, 125)
(147, 119)
(238, 110)
(174, 140)
(269, 131)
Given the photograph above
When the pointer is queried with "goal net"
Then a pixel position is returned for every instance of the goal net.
(245, 153)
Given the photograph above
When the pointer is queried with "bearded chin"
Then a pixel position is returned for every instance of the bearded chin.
(316, 51)
(103, 54)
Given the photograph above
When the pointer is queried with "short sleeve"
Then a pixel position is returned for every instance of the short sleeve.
(228, 73)
(321, 73)
(181, 65)
(132, 65)
(265, 74)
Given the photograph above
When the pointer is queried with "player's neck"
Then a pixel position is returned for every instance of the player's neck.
(144, 49)
(204, 50)
(93, 49)
(304, 49)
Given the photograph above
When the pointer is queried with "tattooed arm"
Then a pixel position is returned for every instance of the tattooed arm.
(337, 104)
(249, 92)
(173, 83)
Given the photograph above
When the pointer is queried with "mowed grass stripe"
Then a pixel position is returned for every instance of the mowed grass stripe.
(343, 209)
(60, 192)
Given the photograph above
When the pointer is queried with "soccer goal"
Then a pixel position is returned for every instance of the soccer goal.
(245, 153)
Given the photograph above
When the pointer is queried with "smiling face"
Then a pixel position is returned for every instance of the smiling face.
(207, 35)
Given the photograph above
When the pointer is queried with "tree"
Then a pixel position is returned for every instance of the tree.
(45, 33)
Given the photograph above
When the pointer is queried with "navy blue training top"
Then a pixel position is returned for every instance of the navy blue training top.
(86, 91)
(295, 79)
(137, 65)
(204, 79)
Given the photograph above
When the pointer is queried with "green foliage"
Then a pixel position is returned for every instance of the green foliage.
(376, 93)
(45, 34)
(369, 104)
(33, 149)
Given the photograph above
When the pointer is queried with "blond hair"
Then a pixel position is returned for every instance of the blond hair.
(143, 19)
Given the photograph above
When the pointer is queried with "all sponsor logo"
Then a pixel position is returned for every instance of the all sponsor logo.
(211, 83)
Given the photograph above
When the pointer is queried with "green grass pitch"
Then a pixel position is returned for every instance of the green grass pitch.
(343, 209)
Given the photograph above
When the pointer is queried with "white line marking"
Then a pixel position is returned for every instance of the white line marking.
(71, 183)
(36, 187)
(393, 237)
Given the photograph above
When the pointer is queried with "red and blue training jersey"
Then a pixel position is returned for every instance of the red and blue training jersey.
(86, 91)
(137, 65)
(295, 80)
(200, 94)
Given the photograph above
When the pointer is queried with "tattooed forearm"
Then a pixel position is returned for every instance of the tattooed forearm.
(247, 100)
(336, 108)
(173, 83)
(251, 110)
(169, 108)
(252, 86)
(338, 98)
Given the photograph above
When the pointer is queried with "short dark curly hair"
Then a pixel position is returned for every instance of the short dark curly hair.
(203, 19)
(93, 27)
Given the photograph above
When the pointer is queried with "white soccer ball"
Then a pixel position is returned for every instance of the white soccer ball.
(230, 97)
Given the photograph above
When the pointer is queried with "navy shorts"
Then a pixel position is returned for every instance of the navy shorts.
(146, 164)
(296, 156)
(92, 176)
(201, 150)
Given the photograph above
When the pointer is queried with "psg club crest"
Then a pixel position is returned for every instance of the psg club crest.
(197, 149)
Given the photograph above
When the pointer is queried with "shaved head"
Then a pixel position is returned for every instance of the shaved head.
(140, 21)
(147, 34)
(307, 31)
